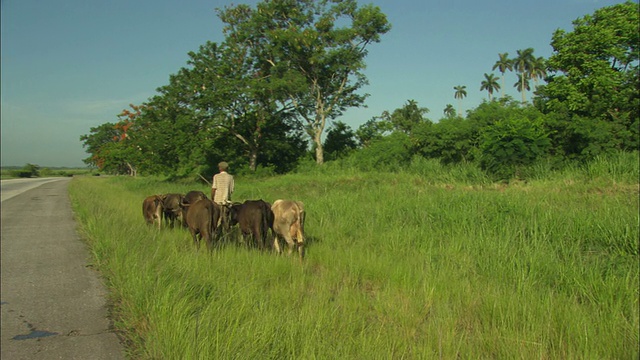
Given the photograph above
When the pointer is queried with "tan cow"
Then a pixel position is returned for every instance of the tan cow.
(288, 223)
(152, 209)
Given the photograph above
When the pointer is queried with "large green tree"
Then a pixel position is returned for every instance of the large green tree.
(593, 90)
(314, 50)
(406, 118)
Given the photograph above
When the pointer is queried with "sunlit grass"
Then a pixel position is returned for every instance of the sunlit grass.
(397, 266)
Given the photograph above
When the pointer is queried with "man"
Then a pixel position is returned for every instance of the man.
(221, 191)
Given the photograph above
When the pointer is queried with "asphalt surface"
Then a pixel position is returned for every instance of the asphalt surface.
(53, 304)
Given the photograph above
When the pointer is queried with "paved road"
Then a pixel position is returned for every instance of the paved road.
(53, 304)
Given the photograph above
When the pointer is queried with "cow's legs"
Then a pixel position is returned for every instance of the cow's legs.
(290, 243)
(276, 244)
(195, 239)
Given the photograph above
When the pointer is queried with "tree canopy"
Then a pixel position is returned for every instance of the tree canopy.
(287, 69)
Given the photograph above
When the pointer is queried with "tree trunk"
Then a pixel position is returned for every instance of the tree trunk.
(524, 99)
(132, 171)
(317, 139)
(253, 160)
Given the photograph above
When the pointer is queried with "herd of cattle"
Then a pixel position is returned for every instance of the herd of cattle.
(210, 221)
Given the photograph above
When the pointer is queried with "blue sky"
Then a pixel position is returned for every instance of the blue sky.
(71, 65)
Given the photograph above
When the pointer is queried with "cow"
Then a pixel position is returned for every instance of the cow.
(152, 209)
(253, 219)
(189, 199)
(193, 196)
(288, 223)
(172, 209)
(202, 219)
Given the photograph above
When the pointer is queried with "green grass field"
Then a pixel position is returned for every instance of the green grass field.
(397, 266)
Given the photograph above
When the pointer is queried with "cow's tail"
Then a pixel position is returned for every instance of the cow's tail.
(300, 232)
(264, 224)
(213, 222)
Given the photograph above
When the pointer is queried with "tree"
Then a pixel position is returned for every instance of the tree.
(490, 83)
(94, 141)
(315, 50)
(503, 64)
(522, 85)
(510, 144)
(374, 129)
(522, 64)
(449, 111)
(340, 140)
(28, 171)
(460, 94)
(408, 116)
(538, 70)
(593, 87)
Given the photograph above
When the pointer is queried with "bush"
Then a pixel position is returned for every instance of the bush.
(510, 144)
(391, 153)
(29, 170)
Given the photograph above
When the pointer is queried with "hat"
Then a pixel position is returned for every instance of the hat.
(223, 165)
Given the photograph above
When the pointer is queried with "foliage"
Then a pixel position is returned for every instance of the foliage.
(373, 129)
(287, 68)
(503, 64)
(454, 140)
(593, 89)
(510, 144)
(490, 83)
(408, 117)
(315, 50)
(451, 140)
(392, 153)
(28, 171)
(523, 63)
(340, 140)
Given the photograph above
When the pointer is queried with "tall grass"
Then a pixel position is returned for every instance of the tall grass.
(398, 265)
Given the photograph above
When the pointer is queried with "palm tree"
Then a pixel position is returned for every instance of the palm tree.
(449, 111)
(460, 94)
(490, 83)
(522, 64)
(538, 69)
(522, 86)
(503, 64)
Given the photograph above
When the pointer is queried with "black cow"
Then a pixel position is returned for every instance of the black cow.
(202, 217)
(253, 218)
(172, 209)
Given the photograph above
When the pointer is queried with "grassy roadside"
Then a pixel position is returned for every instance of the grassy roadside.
(398, 266)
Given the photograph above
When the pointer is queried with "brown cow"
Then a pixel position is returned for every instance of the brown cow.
(193, 196)
(202, 217)
(253, 219)
(288, 223)
(152, 209)
(189, 199)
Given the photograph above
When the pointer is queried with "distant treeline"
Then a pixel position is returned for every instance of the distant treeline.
(33, 170)
(260, 100)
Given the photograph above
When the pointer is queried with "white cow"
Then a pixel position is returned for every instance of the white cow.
(288, 223)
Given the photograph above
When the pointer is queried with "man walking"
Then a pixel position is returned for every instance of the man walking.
(221, 191)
